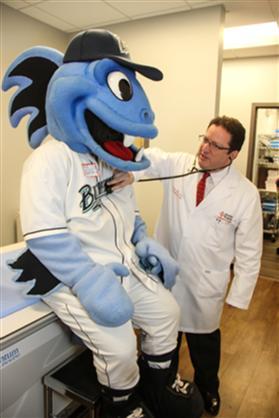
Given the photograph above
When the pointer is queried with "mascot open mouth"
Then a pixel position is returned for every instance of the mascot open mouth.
(114, 142)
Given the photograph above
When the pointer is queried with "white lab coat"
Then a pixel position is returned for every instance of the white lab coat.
(205, 240)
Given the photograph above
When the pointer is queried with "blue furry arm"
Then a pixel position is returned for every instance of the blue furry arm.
(140, 230)
(154, 258)
(96, 286)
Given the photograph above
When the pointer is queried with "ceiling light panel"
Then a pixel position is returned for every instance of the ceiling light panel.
(251, 35)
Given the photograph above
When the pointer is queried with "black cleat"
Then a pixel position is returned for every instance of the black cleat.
(133, 407)
(167, 395)
(211, 403)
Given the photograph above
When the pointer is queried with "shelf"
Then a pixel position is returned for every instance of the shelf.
(274, 166)
(263, 153)
(269, 149)
(266, 212)
(270, 231)
(272, 192)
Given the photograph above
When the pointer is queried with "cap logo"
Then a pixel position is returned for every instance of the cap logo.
(122, 46)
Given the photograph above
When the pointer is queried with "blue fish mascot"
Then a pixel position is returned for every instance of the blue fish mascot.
(88, 255)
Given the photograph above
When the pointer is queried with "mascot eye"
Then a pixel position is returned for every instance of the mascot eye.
(120, 85)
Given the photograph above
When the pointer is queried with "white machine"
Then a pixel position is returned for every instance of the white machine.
(33, 342)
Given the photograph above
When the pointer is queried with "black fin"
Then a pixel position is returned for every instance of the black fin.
(40, 71)
(34, 269)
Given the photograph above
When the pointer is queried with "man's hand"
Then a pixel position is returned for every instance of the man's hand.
(121, 179)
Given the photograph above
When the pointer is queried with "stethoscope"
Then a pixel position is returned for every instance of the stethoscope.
(194, 170)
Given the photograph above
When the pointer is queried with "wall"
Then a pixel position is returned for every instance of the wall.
(186, 47)
(18, 32)
(246, 81)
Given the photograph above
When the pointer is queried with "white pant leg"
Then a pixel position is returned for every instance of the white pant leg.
(157, 314)
(114, 349)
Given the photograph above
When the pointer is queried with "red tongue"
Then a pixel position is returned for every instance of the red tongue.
(117, 149)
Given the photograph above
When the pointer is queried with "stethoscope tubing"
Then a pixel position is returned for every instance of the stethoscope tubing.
(194, 170)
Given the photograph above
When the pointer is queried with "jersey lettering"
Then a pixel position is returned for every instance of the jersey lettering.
(87, 198)
(91, 195)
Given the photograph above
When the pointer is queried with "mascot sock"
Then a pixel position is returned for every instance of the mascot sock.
(123, 404)
(163, 390)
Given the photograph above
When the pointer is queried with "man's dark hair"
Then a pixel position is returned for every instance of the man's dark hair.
(234, 127)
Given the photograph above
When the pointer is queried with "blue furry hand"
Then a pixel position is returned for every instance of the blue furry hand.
(103, 296)
(155, 259)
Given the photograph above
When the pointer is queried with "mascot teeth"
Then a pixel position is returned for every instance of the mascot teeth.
(139, 155)
(128, 140)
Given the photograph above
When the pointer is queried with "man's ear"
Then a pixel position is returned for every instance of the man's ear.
(233, 155)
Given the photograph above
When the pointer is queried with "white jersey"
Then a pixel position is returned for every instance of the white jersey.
(64, 191)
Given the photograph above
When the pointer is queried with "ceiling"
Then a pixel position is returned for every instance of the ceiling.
(74, 15)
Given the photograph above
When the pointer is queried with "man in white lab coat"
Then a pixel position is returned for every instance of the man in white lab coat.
(208, 222)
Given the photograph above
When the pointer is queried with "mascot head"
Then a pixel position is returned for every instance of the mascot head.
(89, 98)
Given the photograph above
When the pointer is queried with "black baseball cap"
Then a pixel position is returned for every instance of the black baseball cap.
(96, 44)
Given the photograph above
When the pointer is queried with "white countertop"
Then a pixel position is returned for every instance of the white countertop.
(23, 318)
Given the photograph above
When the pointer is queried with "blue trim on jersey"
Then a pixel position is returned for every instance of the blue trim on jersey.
(27, 234)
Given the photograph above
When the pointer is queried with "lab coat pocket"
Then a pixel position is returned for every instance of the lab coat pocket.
(213, 284)
(210, 237)
(219, 234)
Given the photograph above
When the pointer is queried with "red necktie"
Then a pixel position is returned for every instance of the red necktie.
(201, 188)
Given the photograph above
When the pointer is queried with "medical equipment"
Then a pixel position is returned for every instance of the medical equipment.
(33, 342)
(194, 170)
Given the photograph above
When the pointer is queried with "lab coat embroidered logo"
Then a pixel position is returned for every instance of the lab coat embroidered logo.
(176, 192)
(224, 218)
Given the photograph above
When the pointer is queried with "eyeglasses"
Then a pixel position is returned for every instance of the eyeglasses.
(212, 144)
